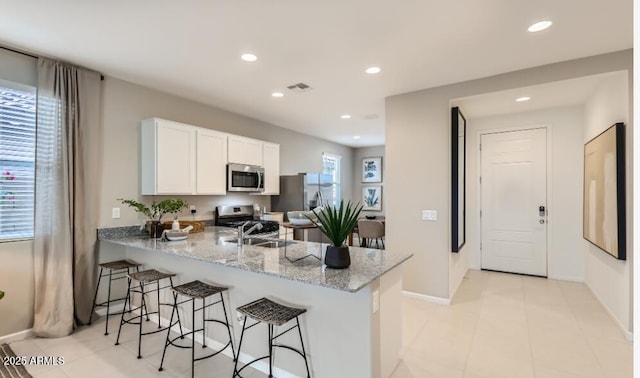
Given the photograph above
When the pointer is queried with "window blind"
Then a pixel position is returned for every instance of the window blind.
(17, 160)
(331, 166)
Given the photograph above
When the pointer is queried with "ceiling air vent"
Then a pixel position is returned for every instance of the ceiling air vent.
(300, 87)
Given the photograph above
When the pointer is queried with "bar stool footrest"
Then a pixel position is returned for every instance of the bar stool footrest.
(237, 372)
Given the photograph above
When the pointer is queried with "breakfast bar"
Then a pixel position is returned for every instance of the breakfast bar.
(353, 323)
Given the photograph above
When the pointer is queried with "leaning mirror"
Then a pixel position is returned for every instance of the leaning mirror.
(458, 165)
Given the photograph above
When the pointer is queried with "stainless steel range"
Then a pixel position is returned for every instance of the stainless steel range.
(236, 216)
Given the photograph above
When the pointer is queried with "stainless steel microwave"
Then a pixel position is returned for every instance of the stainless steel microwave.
(245, 178)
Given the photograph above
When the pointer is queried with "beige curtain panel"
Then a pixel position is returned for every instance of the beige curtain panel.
(68, 155)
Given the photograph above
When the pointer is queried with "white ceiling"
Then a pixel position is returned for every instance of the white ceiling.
(544, 96)
(193, 50)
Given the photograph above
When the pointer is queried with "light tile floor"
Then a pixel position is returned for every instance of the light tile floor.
(499, 325)
(505, 325)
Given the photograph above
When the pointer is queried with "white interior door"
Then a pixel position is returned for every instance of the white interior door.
(513, 187)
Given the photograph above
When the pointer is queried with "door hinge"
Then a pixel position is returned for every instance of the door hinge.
(480, 146)
(480, 213)
(480, 179)
(481, 246)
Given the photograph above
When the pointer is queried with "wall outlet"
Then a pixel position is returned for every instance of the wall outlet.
(429, 215)
(375, 299)
(193, 209)
(115, 213)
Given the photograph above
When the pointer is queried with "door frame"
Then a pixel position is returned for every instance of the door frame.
(550, 205)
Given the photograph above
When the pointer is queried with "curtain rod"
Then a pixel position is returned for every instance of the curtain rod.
(32, 56)
(19, 52)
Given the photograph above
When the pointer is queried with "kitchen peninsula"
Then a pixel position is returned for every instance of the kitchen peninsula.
(353, 323)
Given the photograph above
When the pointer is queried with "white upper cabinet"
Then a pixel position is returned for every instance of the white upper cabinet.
(271, 164)
(168, 159)
(244, 150)
(211, 159)
(182, 159)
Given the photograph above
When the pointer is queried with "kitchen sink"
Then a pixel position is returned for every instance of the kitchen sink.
(266, 243)
(274, 243)
(249, 241)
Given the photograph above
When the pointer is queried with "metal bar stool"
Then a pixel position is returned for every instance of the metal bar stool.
(146, 277)
(274, 314)
(117, 270)
(199, 290)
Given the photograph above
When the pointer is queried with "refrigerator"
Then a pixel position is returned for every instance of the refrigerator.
(305, 191)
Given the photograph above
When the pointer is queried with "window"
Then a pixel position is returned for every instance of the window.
(17, 160)
(331, 166)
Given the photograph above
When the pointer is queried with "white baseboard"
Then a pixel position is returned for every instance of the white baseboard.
(18, 336)
(627, 334)
(566, 278)
(262, 366)
(102, 311)
(428, 298)
(455, 290)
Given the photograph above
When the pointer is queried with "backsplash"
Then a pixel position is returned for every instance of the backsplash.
(205, 206)
(119, 232)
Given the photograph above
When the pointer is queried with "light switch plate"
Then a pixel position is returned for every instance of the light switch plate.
(115, 213)
(429, 215)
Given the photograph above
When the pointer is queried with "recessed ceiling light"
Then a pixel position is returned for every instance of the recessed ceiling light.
(540, 26)
(523, 98)
(345, 116)
(277, 94)
(249, 57)
(356, 137)
(373, 70)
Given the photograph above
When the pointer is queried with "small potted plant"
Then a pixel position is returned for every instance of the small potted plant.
(337, 223)
(1, 294)
(156, 211)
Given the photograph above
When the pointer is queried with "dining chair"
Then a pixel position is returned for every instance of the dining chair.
(369, 230)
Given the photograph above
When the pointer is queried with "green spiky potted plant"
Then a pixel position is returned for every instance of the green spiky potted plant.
(156, 211)
(337, 223)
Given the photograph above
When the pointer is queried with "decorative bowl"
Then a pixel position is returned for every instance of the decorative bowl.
(173, 235)
(370, 217)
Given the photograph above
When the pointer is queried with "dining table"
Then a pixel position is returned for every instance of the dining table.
(307, 227)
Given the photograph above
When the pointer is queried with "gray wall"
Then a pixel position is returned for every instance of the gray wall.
(126, 104)
(16, 258)
(359, 154)
(417, 137)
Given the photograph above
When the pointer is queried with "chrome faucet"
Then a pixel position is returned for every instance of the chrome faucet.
(242, 233)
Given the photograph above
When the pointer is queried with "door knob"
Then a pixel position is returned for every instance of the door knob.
(541, 221)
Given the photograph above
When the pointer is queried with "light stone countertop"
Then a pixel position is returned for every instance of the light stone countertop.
(212, 246)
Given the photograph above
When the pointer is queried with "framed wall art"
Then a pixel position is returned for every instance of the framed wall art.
(604, 223)
(372, 197)
(458, 174)
(372, 169)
